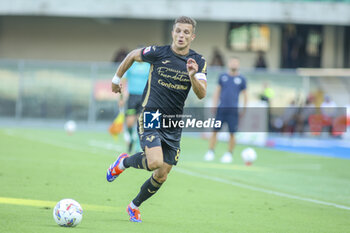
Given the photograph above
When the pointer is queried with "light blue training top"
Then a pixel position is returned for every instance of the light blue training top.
(137, 76)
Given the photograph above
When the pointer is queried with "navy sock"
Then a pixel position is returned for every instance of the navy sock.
(149, 188)
(137, 160)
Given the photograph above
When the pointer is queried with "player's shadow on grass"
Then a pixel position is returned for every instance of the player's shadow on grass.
(117, 220)
(57, 226)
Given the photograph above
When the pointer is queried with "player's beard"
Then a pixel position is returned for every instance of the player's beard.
(234, 71)
(179, 48)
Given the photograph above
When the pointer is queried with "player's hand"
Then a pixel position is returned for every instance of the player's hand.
(116, 88)
(192, 67)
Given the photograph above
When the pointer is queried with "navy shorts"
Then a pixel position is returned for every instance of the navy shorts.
(151, 138)
(228, 116)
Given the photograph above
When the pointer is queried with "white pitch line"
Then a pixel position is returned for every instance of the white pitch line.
(104, 145)
(224, 181)
(61, 144)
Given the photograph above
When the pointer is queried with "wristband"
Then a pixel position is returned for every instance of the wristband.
(116, 80)
(200, 76)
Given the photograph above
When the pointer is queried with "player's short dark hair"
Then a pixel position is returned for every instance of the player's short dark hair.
(187, 20)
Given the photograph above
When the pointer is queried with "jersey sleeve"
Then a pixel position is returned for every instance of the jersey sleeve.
(220, 80)
(202, 66)
(150, 54)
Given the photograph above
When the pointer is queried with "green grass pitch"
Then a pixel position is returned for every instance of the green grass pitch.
(281, 192)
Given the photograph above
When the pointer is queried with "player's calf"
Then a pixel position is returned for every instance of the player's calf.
(148, 189)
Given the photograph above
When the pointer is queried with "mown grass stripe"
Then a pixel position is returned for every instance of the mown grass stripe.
(51, 204)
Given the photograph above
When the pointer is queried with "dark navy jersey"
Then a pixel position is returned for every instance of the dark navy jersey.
(168, 82)
(231, 86)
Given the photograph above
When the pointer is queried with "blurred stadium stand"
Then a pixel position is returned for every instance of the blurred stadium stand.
(280, 11)
(81, 90)
(55, 56)
(62, 90)
(95, 30)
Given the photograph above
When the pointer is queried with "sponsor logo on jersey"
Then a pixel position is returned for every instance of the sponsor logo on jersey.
(237, 80)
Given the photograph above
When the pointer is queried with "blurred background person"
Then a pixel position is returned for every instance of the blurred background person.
(260, 62)
(305, 112)
(266, 96)
(289, 117)
(226, 99)
(267, 93)
(329, 112)
(217, 59)
(328, 107)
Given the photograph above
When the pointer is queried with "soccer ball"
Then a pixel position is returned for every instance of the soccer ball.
(248, 156)
(68, 213)
(70, 127)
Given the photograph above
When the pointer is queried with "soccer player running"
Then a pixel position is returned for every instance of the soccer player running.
(228, 90)
(135, 80)
(174, 70)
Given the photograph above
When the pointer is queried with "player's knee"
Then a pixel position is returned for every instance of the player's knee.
(160, 178)
(154, 164)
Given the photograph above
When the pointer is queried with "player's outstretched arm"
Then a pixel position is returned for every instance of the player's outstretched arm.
(245, 102)
(216, 96)
(134, 55)
(199, 86)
